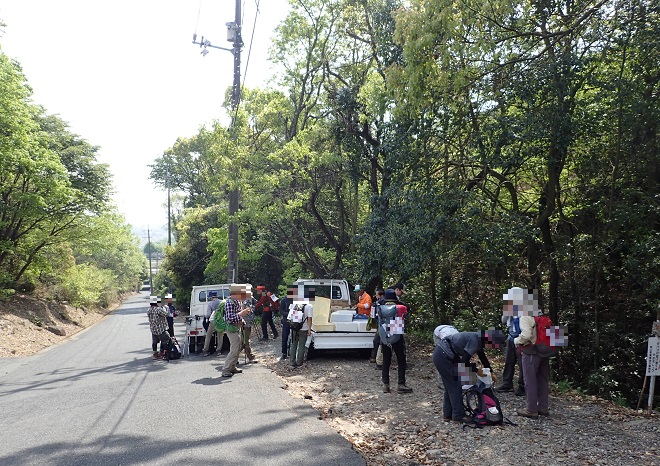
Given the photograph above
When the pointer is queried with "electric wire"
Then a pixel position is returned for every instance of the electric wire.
(199, 11)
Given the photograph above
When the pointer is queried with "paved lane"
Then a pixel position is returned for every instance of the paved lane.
(99, 398)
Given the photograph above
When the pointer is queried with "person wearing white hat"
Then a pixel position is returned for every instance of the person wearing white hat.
(171, 314)
(158, 326)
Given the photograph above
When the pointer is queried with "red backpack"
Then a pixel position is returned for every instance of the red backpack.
(543, 347)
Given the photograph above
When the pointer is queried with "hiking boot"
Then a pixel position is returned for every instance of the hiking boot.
(520, 391)
(504, 388)
(447, 419)
(237, 371)
(275, 335)
(524, 413)
(372, 360)
(252, 361)
(284, 357)
(403, 388)
(544, 412)
(227, 374)
(386, 388)
(463, 420)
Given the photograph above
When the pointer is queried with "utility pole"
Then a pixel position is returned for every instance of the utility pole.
(169, 221)
(234, 36)
(151, 277)
(169, 226)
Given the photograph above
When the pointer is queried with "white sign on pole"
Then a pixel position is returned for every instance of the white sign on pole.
(653, 357)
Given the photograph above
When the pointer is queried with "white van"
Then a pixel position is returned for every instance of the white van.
(199, 298)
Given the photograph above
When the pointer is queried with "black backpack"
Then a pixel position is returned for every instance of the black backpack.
(296, 326)
(173, 350)
(483, 407)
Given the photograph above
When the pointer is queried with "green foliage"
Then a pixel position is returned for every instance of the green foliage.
(85, 285)
(462, 147)
(154, 247)
(55, 216)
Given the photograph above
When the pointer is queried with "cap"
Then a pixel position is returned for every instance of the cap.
(153, 300)
(495, 337)
(390, 295)
(357, 288)
(213, 294)
(515, 294)
(159, 299)
(168, 296)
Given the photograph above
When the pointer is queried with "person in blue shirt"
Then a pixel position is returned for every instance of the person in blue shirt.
(511, 317)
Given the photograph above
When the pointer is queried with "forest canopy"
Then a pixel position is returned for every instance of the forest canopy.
(462, 147)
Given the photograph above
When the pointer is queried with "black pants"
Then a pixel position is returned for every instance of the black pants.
(267, 317)
(399, 349)
(374, 351)
(285, 337)
(164, 339)
(170, 325)
(511, 360)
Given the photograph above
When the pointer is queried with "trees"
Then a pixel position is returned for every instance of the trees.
(464, 147)
(55, 217)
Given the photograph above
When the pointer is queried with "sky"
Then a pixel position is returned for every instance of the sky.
(125, 76)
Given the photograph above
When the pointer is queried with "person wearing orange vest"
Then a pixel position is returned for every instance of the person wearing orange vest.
(364, 301)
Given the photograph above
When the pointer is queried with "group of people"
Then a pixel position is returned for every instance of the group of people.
(454, 351)
(239, 312)
(451, 357)
(161, 323)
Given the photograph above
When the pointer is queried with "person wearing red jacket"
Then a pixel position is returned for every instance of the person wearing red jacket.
(266, 305)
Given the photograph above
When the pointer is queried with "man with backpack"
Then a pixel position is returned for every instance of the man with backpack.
(534, 343)
(158, 326)
(390, 328)
(300, 323)
(452, 359)
(513, 301)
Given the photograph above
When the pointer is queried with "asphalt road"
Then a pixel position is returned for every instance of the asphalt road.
(100, 398)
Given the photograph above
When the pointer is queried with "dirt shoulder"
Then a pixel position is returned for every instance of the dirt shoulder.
(394, 429)
(389, 429)
(29, 325)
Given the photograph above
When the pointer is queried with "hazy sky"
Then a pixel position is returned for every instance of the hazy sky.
(126, 77)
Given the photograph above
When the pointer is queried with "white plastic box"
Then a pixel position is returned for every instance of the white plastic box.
(342, 316)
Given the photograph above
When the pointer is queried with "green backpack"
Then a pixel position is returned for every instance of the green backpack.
(219, 320)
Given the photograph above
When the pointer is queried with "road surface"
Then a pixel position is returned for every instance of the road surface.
(100, 399)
